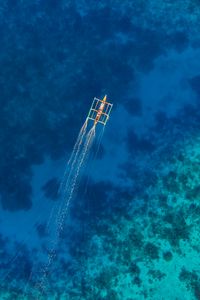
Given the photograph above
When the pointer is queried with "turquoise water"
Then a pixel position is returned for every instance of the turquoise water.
(131, 231)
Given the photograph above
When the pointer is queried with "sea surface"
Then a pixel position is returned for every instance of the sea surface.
(121, 220)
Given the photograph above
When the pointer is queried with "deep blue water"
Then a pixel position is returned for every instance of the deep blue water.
(131, 230)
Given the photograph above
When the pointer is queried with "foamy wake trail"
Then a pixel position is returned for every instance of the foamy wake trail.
(69, 184)
(70, 189)
(73, 157)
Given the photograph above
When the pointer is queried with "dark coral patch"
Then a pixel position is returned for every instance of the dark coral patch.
(179, 230)
(151, 251)
(167, 256)
(50, 189)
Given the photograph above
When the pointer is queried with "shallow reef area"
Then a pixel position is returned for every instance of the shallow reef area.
(133, 228)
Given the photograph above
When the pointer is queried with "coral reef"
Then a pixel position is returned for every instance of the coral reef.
(133, 228)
